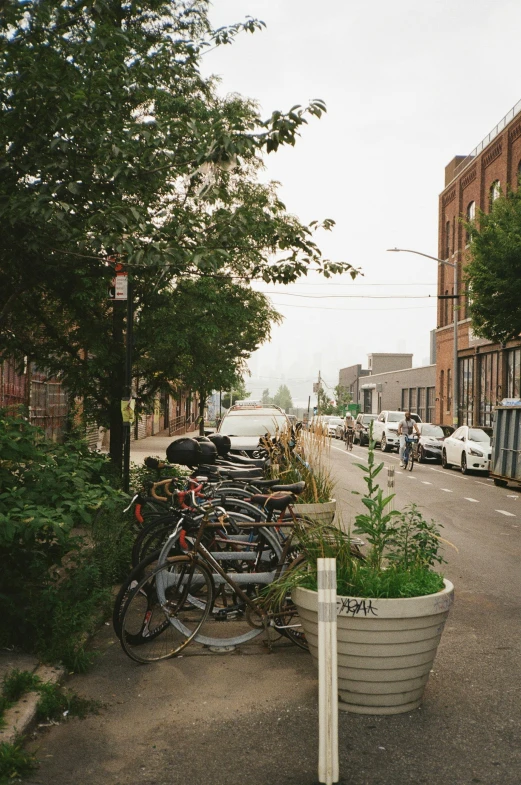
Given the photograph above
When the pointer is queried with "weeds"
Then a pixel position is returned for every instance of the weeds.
(15, 762)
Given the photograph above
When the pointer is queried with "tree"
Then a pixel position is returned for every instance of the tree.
(493, 272)
(112, 143)
(236, 392)
(266, 397)
(202, 334)
(282, 398)
(325, 405)
(343, 398)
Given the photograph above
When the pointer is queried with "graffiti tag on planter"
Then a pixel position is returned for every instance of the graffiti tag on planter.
(349, 606)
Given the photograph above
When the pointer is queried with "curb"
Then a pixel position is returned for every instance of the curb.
(20, 717)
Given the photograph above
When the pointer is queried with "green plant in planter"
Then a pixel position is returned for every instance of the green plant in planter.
(402, 550)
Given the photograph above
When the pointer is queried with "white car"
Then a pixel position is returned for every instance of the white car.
(468, 448)
(246, 423)
(385, 429)
(335, 427)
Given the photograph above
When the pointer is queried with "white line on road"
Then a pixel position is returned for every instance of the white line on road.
(468, 499)
(479, 482)
(412, 478)
(511, 496)
(447, 490)
(504, 512)
(424, 482)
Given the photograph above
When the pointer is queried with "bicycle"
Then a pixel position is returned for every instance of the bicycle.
(408, 453)
(167, 608)
(349, 438)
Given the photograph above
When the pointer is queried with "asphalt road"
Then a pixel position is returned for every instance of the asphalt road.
(250, 717)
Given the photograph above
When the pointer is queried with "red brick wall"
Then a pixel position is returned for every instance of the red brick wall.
(500, 160)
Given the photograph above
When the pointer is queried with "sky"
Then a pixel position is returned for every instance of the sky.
(408, 85)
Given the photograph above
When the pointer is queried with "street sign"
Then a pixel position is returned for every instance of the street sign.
(121, 286)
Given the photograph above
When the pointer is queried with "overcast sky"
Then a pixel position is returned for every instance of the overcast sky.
(408, 85)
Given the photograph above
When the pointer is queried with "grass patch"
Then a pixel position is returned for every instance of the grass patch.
(15, 762)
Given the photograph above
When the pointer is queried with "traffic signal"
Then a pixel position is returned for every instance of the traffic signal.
(315, 409)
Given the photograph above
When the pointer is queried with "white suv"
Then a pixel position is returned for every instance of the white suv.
(385, 429)
(246, 422)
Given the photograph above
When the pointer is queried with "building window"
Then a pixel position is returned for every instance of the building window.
(493, 193)
(405, 399)
(519, 173)
(471, 216)
(488, 386)
(430, 403)
(412, 399)
(447, 240)
(446, 308)
(421, 403)
(514, 373)
(466, 390)
(448, 395)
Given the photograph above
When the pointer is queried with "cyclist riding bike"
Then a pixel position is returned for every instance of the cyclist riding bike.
(406, 427)
(349, 430)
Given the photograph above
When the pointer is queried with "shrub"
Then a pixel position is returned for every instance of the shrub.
(63, 541)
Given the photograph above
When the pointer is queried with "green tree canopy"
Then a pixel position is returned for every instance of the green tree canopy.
(113, 143)
(283, 398)
(266, 397)
(493, 272)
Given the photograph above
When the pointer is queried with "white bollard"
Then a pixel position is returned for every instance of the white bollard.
(327, 673)
(390, 485)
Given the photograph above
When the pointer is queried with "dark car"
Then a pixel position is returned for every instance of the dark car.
(431, 441)
(362, 424)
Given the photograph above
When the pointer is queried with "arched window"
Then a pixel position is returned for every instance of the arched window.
(446, 308)
(493, 193)
(519, 173)
(447, 240)
(471, 215)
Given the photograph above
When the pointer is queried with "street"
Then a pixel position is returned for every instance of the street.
(251, 716)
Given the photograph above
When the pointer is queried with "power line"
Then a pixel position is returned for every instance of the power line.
(355, 296)
(353, 310)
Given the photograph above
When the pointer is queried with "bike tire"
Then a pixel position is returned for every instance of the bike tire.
(129, 584)
(166, 609)
(411, 459)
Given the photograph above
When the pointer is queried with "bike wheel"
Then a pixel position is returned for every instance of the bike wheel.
(411, 459)
(166, 609)
(144, 568)
(285, 615)
(250, 560)
(152, 536)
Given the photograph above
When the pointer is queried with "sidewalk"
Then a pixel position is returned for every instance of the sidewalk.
(154, 446)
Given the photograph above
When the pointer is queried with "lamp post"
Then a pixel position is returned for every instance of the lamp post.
(455, 378)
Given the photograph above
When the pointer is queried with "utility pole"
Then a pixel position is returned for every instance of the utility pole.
(318, 393)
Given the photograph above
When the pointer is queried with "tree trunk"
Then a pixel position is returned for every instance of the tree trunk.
(202, 401)
(117, 384)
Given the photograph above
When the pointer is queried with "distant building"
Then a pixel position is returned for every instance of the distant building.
(390, 382)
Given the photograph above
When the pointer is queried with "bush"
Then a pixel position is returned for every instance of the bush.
(63, 542)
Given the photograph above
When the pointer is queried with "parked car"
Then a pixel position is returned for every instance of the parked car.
(468, 448)
(362, 424)
(385, 429)
(245, 424)
(319, 422)
(430, 442)
(335, 427)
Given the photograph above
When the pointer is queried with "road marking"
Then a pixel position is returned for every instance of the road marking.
(398, 472)
(504, 512)
(424, 482)
(447, 490)
(468, 499)
(479, 482)
(412, 478)
(511, 496)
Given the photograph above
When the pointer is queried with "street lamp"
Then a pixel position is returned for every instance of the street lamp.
(455, 379)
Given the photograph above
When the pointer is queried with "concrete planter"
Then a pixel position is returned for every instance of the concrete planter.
(321, 512)
(386, 648)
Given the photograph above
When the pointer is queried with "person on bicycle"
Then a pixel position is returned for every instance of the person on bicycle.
(349, 427)
(406, 427)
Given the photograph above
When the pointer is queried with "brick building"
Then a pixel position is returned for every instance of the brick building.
(487, 372)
